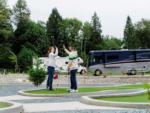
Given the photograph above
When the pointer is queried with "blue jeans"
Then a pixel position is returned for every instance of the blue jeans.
(51, 71)
(73, 79)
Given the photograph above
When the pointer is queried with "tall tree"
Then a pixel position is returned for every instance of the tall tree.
(86, 36)
(5, 23)
(6, 33)
(91, 36)
(21, 12)
(96, 25)
(21, 20)
(130, 41)
(53, 28)
(70, 32)
(36, 39)
(96, 37)
(143, 33)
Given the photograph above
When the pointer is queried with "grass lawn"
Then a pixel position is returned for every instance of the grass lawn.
(4, 105)
(84, 90)
(137, 98)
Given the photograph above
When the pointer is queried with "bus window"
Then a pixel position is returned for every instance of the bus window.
(113, 57)
(98, 59)
(141, 56)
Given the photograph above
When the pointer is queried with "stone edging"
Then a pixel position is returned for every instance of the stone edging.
(90, 100)
(14, 108)
(23, 93)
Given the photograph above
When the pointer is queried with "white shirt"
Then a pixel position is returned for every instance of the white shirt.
(51, 58)
(73, 54)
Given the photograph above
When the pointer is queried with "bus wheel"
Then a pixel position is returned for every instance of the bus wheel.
(98, 72)
(133, 72)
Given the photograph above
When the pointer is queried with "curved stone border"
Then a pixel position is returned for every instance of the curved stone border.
(14, 108)
(90, 100)
(23, 93)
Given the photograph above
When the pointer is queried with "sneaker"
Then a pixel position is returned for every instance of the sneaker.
(76, 91)
(72, 91)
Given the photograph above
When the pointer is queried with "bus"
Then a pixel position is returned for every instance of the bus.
(119, 61)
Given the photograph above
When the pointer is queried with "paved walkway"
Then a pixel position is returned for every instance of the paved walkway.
(59, 104)
(42, 105)
(62, 106)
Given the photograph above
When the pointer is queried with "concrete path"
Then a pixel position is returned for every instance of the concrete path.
(44, 107)
(18, 97)
(53, 107)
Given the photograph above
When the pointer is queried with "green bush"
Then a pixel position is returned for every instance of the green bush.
(25, 58)
(36, 74)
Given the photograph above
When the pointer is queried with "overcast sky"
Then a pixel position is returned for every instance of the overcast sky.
(112, 13)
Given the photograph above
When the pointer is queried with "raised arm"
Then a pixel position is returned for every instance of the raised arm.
(56, 51)
(66, 50)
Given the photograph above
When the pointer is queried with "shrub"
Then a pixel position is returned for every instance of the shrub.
(36, 74)
(25, 58)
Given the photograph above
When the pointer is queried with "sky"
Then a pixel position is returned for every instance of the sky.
(112, 13)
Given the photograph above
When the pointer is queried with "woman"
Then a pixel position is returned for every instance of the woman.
(72, 66)
(52, 53)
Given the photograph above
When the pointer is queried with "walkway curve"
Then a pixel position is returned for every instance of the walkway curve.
(90, 100)
(13, 108)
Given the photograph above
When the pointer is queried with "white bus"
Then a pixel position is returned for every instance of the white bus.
(61, 64)
(119, 61)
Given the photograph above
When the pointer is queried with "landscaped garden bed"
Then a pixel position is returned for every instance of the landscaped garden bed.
(137, 98)
(4, 105)
(85, 90)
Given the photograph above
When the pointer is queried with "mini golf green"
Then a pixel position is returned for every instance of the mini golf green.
(63, 91)
(4, 105)
(137, 98)
(85, 90)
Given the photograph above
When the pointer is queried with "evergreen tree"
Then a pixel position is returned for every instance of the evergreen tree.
(142, 29)
(130, 41)
(21, 20)
(86, 35)
(6, 30)
(53, 29)
(21, 12)
(6, 33)
(96, 25)
(96, 34)
(36, 39)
